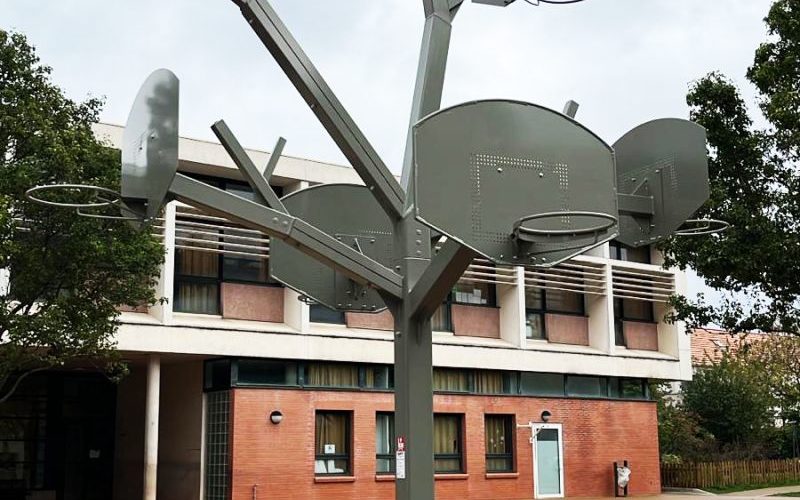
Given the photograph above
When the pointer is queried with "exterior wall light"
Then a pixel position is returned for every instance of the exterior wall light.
(546, 416)
(276, 417)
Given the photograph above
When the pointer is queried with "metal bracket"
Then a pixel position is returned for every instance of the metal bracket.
(571, 108)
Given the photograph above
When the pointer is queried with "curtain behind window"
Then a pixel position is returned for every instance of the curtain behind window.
(497, 443)
(331, 375)
(331, 430)
(384, 442)
(488, 382)
(450, 380)
(445, 443)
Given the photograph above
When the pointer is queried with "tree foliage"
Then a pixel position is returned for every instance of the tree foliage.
(68, 274)
(755, 186)
(777, 359)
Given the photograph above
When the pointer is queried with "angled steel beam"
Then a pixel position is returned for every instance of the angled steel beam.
(273, 158)
(636, 204)
(307, 238)
(438, 279)
(323, 102)
(256, 180)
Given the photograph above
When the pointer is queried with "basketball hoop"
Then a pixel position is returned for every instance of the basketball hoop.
(94, 192)
(699, 227)
(530, 234)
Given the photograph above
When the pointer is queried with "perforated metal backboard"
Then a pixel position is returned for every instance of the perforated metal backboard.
(150, 144)
(665, 159)
(352, 215)
(481, 167)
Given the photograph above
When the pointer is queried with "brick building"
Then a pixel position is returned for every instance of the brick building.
(239, 390)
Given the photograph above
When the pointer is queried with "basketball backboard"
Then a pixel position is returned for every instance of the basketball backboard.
(350, 214)
(666, 161)
(518, 183)
(150, 144)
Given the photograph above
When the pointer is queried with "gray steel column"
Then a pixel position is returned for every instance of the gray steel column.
(413, 359)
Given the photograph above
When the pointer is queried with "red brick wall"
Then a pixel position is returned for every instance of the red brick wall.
(640, 335)
(371, 321)
(567, 329)
(253, 302)
(280, 458)
(476, 321)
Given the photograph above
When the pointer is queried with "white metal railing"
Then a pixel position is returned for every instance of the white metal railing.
(575, 275)
(653, 285)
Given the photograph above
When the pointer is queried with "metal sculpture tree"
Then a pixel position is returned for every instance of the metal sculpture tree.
(528, 186)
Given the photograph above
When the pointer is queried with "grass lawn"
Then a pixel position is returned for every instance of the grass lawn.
(747, 487)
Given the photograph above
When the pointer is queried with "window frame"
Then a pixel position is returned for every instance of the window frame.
(459, 439)
(616, 249)
(544, 311)
(509, 426)
(620, 318)
(392, 445)
(348, 437)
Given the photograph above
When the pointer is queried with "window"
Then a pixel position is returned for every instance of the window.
(499, 443)
(450, 380)
(542, 384)
(539, 302)
(474, 293)
(262, 372)
(322, 314)
(447, 443)
(620, 251)
(218, 407)
(331, 375)
(384, 443)
(442, 319)
(495, 382)
(332, 455)
(196, 280)
(587, 386)
(378, 377)
(217, 374)
(630, 310)
(628, 388)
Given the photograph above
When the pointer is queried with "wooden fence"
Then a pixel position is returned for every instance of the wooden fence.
(731, 473)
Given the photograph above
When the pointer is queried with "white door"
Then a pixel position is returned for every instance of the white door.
(548, 461)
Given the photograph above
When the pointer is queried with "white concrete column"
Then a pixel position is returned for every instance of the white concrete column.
(166, 282)
(151, 426)
(511, 299)
(295, 312)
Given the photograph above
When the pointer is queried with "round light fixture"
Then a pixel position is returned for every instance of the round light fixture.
(546, 416)
(276, 417)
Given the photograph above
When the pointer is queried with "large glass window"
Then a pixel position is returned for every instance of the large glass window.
(447, 443)
(474, 293)
(542, 384)
(630, 310)
(323, 314)
(331, 375)
(263, 372)
(378, 377)
(499, 443)
(540, 301)
(495, 382)
(384, 443)
(196, 280)
(628, 388)
(586, 386)
(451, 380)
(332, 450)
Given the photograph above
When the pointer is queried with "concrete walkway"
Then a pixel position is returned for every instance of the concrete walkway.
(739, 495)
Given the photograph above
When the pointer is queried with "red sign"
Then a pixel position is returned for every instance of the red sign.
(401, 443)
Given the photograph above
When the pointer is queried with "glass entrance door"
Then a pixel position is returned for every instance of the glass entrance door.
(548, 462)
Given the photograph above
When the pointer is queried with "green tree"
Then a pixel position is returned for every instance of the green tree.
(68, 274)
(755, 186)
(680, 435)
(778, 357)
(731, 401)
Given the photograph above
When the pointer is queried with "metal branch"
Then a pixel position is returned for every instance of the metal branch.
(246, 166)
(273, 158)
(305, 237)
(439, 277)
(323, 102)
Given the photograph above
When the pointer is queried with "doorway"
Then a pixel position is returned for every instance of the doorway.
(548, 461)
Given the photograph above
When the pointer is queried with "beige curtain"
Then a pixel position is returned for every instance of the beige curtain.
(445, 441)
(197, 298)
(488, 382)
(332, 429)
(332, 375)
(496, 435)
(450, 380)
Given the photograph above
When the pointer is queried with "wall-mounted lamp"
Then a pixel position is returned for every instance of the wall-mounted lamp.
(276, 417)
(546, 416)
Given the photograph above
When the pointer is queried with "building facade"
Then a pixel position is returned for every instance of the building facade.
(240, 389)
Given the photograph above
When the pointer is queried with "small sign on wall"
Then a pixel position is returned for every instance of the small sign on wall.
(330, 449)
(400, 458)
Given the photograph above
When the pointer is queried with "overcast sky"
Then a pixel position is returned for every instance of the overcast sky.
(624, 61)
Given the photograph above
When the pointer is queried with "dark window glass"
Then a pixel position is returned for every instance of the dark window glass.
(632, 388)
(322, 314)
(247, 269)
(378, 377)
(218, 413)
(217, 374)
(384, 443)
(331, 375)
(474, 293)
(332, 449)
(450, 380)
(630, 310)
(256, 371)
(630, 254)
(534, 326)
(562, 301)
(441, 321)
(542, 384)
(499, 431)
(447, 443)
(539, 301)
(586, 386)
